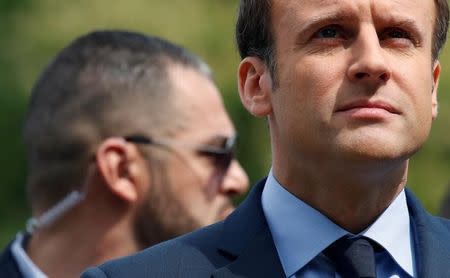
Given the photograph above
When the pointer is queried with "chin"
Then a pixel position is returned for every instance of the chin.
(225, 213)
(379, 152)
(380, 146)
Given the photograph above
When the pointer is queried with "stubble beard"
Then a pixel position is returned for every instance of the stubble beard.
(160, 216)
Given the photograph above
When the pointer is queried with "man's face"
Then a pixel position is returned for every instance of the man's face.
(190, 189)
(356, 79)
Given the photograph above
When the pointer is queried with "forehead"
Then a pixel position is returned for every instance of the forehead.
(201, 106)
(301, 11)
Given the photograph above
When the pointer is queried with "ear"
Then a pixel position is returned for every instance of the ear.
(255, 86)
(434, 101)
(115, 161)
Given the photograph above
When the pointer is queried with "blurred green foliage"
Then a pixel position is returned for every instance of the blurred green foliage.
(33, 31)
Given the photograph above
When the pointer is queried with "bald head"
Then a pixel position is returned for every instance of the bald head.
(104, 84)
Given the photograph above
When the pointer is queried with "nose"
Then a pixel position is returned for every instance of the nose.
(235, 181)
(368, 62)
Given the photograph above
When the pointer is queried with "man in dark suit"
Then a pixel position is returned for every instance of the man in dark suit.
(349, 90)
(129, 144)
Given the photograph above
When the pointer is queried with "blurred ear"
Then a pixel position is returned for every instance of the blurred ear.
(117, 161)
(434, 101)
(255, 86)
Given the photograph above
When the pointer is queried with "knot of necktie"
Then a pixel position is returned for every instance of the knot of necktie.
(353, 257)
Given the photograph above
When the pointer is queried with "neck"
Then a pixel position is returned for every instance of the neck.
(352, 195)
(69, 247)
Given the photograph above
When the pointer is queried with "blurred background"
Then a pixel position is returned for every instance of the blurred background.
(32, 31)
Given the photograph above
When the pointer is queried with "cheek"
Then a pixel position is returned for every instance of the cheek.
(321, 76)
(416, 82)
(208, 179)
(316, 84)
(211, 185)
(413, 74)
(199, 187)
(305, 99)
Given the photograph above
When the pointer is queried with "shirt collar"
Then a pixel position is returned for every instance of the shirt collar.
(392, 231)
(300, 232)
(26, 265)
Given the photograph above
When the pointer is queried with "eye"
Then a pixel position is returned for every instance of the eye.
(395, 33)
(220, 160)
(398, 37)
(330, 32)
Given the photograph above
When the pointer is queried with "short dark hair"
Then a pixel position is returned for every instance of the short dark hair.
(105, 83)
(254, 30)
(440, 27)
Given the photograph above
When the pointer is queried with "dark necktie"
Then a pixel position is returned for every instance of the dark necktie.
(353, 257)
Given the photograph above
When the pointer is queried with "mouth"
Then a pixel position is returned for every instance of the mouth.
(226, 210)
(368, 109)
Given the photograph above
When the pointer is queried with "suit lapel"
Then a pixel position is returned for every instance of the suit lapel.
(260, 259)
(247, 241)
(432, 245)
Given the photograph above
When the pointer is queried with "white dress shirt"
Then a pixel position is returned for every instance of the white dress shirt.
(26, 265)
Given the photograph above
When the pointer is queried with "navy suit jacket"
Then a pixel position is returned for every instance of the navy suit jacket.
(242, 246)
(8, 265)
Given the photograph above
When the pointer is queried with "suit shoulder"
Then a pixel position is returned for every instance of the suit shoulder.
(194, 252)
(8, 265)
(422, 217)
(442, 222)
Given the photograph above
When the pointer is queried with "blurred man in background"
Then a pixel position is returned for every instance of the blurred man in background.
(128, 144)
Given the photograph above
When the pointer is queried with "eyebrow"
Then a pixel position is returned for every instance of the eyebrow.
(315, 22)
(319, 20)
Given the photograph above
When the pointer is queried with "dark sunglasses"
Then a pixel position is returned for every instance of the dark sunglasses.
(222, 155)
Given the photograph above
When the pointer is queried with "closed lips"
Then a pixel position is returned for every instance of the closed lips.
(368, 104)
